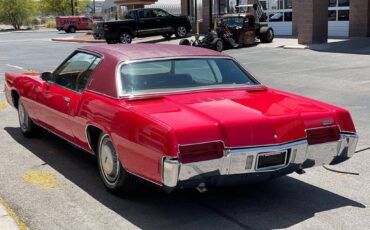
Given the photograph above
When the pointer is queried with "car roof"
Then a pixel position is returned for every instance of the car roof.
(131, 52)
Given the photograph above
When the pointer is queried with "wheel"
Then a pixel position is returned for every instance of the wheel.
(184, 42)
(28, 127)
(125, 38)
(218, 45)
(72, 29)
(267, 36)
(114, 176)
(181, 32)
(167, 36)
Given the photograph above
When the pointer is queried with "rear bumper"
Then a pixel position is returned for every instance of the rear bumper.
(240, 165)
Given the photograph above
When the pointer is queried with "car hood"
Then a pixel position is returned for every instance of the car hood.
(238, 118)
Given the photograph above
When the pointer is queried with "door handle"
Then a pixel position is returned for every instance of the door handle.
(67, 99)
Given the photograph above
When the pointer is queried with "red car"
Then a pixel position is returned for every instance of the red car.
(70, 24)
(178, 117)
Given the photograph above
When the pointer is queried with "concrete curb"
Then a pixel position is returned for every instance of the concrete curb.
(296, 47)
(6, 221)
(77, 40)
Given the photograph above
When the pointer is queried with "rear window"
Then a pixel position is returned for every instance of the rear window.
(182, 74)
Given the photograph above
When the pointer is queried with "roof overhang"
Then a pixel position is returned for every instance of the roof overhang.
(134, 2)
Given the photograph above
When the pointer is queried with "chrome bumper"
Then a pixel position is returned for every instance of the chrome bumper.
(244, 161)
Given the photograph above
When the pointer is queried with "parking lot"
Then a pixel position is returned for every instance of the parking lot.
(74, 197)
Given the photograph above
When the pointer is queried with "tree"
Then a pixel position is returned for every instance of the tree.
(63, 7)
(16, 12)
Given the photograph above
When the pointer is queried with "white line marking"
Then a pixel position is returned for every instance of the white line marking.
(14, 66)
(362, 82)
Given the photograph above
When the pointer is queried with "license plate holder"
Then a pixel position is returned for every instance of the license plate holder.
(272, 160)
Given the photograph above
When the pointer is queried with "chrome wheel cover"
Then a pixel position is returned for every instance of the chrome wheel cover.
(22, 114)
(109, 163)
(181, 31)
(125, 38)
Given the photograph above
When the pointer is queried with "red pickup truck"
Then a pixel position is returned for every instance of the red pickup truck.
(70, 24)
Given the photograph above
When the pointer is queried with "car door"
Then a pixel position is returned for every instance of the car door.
(62, 95)
(148, 23)
(162, 18)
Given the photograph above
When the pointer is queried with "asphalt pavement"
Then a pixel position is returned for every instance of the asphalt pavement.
(52, 185)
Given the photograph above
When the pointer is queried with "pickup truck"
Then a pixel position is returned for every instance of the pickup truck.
(144, 23)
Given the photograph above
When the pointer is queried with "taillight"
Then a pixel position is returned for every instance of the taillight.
(201, 152)
(323, 135)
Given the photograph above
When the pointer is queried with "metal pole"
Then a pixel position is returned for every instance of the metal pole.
(94, 7)
(73, 7)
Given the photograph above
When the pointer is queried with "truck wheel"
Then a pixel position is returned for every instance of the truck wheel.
(125, 38)
(184, 42)
(266, 35)
(218, 45)
(167, 36)
(181, 32)
(28, 128)
(72, 29)
(115, 177)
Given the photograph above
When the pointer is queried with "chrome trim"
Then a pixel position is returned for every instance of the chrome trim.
(235, 161)
(119, 80)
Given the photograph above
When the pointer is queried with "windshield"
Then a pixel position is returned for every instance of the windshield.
(233, 21)
(182, 74)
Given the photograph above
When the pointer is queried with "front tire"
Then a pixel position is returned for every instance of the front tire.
(125, 38)
(218, 45)
(72, 29)
(181, 32)
(27, 126)
(114, 176)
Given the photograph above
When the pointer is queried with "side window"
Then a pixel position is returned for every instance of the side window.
(75, 72)
(160, 13)
(148, 13)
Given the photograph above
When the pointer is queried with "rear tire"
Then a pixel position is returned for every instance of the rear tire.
(181, 32)
(72, 29)
(116, 179)
(27, 126)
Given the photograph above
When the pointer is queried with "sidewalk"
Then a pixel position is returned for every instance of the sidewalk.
(8, 218)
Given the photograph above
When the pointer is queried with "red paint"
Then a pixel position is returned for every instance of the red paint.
(144, 131)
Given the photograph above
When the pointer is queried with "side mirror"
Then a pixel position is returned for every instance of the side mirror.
(47, 76)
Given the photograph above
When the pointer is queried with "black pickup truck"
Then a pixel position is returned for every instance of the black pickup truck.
(144, 23)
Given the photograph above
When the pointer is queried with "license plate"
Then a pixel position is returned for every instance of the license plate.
(272, 160)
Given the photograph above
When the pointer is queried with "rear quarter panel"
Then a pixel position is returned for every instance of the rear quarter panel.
(140, 141)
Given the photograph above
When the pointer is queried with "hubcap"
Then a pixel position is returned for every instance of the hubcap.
(125, 38)
(181, 31)
(109, 161)
(22, 117)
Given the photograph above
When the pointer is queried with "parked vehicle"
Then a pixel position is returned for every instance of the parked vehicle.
(144, 23)
(235, 30)
(71, 24)
(179, 117)
(98, 30)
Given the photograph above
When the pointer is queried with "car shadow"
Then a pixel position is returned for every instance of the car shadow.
(347, 46)
(276, 204)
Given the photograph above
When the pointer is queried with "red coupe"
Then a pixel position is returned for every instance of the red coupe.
(178, 117)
